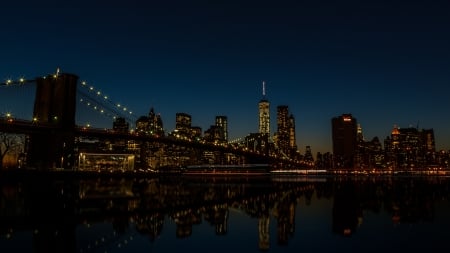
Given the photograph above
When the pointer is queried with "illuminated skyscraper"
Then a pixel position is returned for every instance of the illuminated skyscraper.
(292, 138)
(285, 136)
(155, 123)
(183, 123)
(344, 135)
(264, 113)
(151, 125)
(222, 122)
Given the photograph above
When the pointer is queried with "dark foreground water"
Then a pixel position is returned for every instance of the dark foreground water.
(217, 214)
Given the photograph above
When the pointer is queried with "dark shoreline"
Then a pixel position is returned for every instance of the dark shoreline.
(75, 174)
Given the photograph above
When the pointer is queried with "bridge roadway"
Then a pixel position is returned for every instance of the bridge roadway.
(20, 126)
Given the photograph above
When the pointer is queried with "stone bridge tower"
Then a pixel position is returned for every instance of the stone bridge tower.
(54, 106)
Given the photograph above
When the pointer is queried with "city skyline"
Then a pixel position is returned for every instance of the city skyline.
(385, 63)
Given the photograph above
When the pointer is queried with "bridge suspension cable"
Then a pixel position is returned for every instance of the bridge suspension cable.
(95, 99)
(20, 81)
(88, 95)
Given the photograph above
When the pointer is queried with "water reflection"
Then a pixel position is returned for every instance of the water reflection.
(255, 214)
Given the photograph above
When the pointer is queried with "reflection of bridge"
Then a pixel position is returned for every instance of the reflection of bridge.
(55, 209)
(52, 130)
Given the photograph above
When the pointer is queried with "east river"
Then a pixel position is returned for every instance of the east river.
(224, 214)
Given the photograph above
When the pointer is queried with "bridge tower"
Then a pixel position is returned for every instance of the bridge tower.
(54, 105)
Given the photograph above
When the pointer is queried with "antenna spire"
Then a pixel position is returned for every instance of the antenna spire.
(264, 88)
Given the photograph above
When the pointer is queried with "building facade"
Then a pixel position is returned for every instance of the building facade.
(222, 123)
(264, 113)
(285, 136)
(344, 137)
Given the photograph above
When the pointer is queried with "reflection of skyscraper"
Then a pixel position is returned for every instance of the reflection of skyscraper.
(264, 232)
(264, 113)
(345, 209)
(344, 135)
(285, 215)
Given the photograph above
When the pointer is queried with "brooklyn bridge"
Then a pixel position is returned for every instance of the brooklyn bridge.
(53, 139)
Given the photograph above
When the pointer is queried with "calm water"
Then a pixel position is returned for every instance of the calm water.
(217, 214)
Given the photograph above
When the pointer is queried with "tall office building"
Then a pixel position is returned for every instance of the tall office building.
(292, 138)
(222, 123)
(151, 125)
(344, 135)
(264, 113)
(120, 125)
(428, 140)
(155, 123)
(285, 136)
(183, 123)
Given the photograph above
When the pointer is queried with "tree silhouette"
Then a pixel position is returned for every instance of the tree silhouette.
(10, 144)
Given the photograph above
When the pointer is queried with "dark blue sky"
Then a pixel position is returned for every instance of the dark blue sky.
(386, 62)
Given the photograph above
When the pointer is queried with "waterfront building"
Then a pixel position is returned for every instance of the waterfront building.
(257, 142)
(105, 162)
(184, 128)
(142, 125)
(285, 136)
(183, 123)
(120, 125)
(196, 132)
(214, 134)
(292, 138)
(155, 123)
(344, 137)
(150, 125)
(222, 123)
(410, 148)
(308, 157)
(264, 113)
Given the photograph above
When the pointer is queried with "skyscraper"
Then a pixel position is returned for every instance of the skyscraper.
(285, 137)
(292, 138)
(151, 125)
(264, 113)
(155, 123)
(222, 122)
(344, 135)
(183, 123)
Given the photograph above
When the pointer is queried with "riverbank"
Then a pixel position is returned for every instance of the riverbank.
(36, 174)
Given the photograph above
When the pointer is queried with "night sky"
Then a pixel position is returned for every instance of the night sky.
(385, 62)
